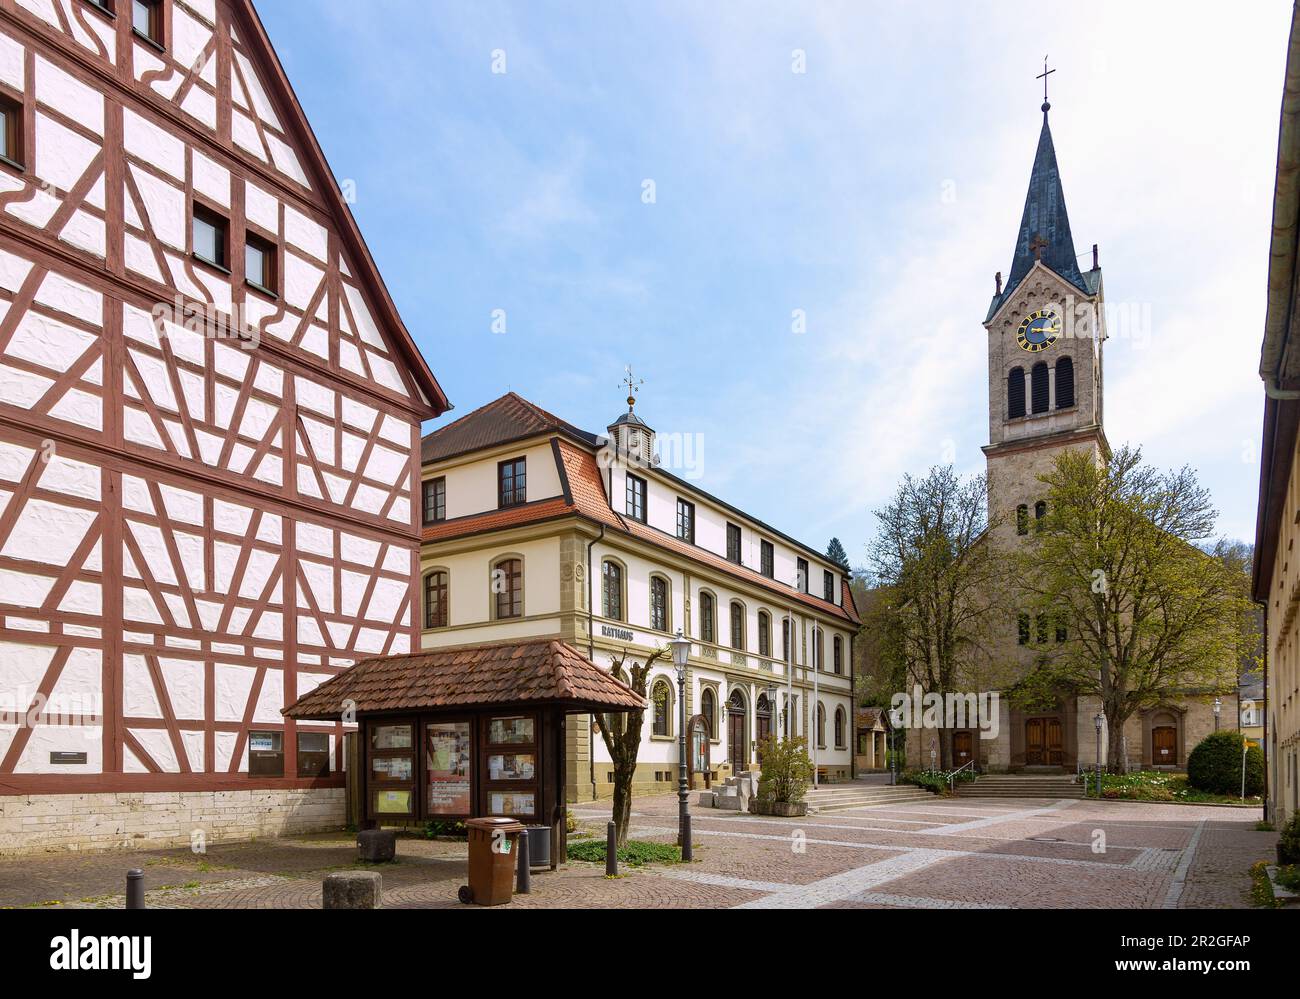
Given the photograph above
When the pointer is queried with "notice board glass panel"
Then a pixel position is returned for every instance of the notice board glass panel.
(449, 763)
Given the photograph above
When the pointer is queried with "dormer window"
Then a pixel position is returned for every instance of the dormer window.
(686, 520)
(801, 575)
(828, 586)
(733, 543)
(512, 488)
(636, 498)
(767, 559)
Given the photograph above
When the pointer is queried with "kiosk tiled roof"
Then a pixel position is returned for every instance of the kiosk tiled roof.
(544, 671)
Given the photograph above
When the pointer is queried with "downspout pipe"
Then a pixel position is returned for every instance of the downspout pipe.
(591, 654)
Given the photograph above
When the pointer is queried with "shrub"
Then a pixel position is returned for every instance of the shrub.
(634, 853)
(1214, 766)
(787, 770)
(1288, 843)
(936, 781)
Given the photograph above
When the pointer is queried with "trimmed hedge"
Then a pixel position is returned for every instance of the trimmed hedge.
(1214, 766)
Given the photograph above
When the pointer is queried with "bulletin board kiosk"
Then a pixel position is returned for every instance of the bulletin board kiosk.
(459, 733)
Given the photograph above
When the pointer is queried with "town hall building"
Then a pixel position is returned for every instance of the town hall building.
(534, 527)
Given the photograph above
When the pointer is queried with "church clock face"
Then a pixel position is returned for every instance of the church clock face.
(1038, 331)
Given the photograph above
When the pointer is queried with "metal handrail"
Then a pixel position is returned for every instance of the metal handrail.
(952, 777)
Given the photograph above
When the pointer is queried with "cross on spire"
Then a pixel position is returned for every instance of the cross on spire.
(1037, 245)
(633, 386)
(1043, 76)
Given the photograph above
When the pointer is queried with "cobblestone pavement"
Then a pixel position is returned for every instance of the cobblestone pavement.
(950, 854)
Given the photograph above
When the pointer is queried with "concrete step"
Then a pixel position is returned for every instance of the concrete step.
(1021, 786)
(839, 801)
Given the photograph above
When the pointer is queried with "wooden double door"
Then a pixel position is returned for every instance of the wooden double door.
(1164, 746)
(1043, 742)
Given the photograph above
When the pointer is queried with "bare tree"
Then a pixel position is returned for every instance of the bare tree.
(944, 584)
(621, 732)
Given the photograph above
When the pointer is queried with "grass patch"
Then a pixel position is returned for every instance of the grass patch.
(636, 853)
(1261, 891)
(1288, 877)
(1264, 827)
(1159, 785)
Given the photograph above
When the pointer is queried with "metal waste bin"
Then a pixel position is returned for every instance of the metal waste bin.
(539, 846)
(492, 844)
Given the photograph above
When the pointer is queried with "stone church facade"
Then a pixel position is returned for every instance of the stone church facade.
(1046, 330)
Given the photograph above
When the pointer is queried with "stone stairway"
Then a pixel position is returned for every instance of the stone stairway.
(839, 797)
(1059, 785)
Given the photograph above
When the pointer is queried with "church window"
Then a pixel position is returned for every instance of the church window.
(1022, 519)
(1060, 628)
(1022, 629)
(1039, 393)
(1016, 393)
(1042, 629)
(1064, 383)
(1040, 514)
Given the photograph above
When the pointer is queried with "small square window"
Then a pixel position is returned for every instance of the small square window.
(259, 263)
(210, 237)
(313, 754)
(11, 131)
(265, 754)
(146, 20)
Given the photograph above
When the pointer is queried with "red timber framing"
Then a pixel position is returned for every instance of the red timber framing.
(194, 529)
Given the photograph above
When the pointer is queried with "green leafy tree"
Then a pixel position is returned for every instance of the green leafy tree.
(945, 585)
(1118, 563)
(787, 769)
(621, 732)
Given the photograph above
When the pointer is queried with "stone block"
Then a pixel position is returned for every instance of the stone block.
(377, 846)
(352, 890)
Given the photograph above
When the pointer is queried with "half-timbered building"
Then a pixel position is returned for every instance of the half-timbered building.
(209, 432)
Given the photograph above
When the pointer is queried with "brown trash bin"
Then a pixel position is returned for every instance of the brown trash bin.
(491, 871)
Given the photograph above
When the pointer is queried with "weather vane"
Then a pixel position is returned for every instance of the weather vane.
(1043, 76)
(633, 386)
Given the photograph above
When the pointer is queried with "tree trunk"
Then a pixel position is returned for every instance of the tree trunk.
(1115, 744)
(622, 813)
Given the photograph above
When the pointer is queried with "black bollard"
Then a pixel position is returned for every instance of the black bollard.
(686, 838)
(611, 850)
(135, 889)
(524, 873)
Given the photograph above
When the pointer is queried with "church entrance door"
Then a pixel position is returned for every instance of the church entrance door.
(1043, 746)
(736, 733)
(961, 749)
(1164, 746)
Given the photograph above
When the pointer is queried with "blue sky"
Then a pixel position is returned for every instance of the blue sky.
(877, 192)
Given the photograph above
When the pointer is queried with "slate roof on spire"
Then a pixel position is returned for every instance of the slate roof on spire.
(1044, 218)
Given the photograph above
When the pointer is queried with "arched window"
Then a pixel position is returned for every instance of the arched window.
(658, 603)
(1041, 629)
(1015, 393)
(1038, 391)
(1040, 514)
(707, 629)
(737, 625)
(839, 728)
(435, 599)
(1064, 383)
(708, 707)
(661, 696)
(764, 633)
(821, 726)
(1022, 629)
(1060, 628)
(837, 655)
(611, 590)
(785, 639)
(819, 659)
(508, 587)
(1022, 519)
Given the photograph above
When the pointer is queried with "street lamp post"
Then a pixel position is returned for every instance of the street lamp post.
(893, 747)
(1098, 720)
(681, 653)
(1218, 706)
(773, 716)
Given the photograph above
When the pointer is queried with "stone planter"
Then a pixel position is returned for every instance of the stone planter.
(789, 809)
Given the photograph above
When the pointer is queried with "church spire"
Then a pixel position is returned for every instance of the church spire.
(1045, 225)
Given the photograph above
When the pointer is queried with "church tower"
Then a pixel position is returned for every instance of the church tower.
(1046, 327)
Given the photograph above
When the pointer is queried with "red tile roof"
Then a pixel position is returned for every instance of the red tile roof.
(543, 671)
(509, 418)
(586, 487)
